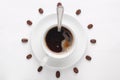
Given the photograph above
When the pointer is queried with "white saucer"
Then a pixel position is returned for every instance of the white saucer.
(37, 41)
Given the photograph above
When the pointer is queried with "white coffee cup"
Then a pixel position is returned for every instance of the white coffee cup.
(48, 58)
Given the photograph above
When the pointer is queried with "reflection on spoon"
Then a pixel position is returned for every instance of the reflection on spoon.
(60, 11)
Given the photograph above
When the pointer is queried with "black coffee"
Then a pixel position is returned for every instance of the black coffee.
(58, 41)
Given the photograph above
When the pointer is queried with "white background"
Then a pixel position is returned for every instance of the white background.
(103, 14)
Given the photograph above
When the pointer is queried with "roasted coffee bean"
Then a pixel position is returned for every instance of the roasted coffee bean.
(75, 69)
(78, 12)
(40, 69)
(90, 26)
(59, 4)
(93, 41)
(57, 74)
(29, 56)
(41, 11)
(29, 22)
(24, 40)
(88, 58)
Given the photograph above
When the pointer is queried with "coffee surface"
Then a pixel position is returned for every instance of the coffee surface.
(58, 41)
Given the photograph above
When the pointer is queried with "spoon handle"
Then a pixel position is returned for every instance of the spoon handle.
(60, 11)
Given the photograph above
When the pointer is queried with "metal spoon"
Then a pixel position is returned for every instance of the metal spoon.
(60, 11)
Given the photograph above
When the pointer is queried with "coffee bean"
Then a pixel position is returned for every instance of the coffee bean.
(88, 58)
(29, 56)
(90, 26)
(29, 22)
(57, 74)
(59, 4)
(75, 69)
(78, 12)
(40, 69)
(24, 40)
(41, 11)
(93, 41)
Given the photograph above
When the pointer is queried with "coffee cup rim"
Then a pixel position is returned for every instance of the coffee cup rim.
(55, 54)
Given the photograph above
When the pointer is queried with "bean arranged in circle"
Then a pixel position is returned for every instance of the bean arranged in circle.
(24, 40)
(57, 74)
(78, 12)
(59, 4)
(41, 11)
(90, 26)
(88, 58)
(75, 69)
(29, 22)
(29, 56)
(93, 41)
(40, 69)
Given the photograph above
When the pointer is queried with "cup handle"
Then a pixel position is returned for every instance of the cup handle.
(44, 60)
